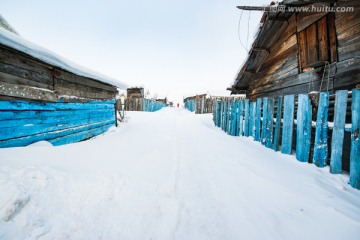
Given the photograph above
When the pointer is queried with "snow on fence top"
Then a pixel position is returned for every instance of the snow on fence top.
(20, 44)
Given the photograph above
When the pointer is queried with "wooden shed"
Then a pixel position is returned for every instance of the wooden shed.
(134, 99)
(46, 97)
(303, 46)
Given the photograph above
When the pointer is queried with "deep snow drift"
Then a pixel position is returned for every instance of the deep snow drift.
(170, 175)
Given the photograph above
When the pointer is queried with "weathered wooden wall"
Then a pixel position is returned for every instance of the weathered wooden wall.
(134, 104)
(280, 68)
(22, 77)
(348, 40)
(41, 102)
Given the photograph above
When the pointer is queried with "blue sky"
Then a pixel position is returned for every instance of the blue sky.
(171, 47)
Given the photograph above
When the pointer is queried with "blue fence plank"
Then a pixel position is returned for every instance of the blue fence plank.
(23, 141)
(221, 114)
(269, 123)
(264, 120)
(227, 117)
(338, 131)
(53, 119)
(355, 142)
(8, 133)
(288, 124)
(252, 119)
(234, 119)
(202, 105)
(320, 147)
(303, 130)
(77, 137)
(241, 118)
(278, 124)
(215, 117)
(307, 131)
(247, 118)
(230, 117)
(258, 119)
(223, 126)
(237, 118)
(23, 105)
(12, 115)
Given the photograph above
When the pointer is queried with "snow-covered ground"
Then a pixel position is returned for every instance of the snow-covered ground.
(170, 175)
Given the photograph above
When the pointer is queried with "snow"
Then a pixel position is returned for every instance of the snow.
(16, 42)
(170, 175)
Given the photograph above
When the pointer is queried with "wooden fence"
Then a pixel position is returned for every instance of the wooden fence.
(23, 123)
(310, 136)
(200, 106)
(142, 104)
(190, 105)
(152, 105)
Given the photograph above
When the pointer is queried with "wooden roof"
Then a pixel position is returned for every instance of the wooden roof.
(273, 25)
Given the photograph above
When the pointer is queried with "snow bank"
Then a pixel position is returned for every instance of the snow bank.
(170, 175)
(18, 43)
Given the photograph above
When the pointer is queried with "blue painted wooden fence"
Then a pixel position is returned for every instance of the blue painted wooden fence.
(152, 105)
(190, 105)
(23, 123)
(268, 120)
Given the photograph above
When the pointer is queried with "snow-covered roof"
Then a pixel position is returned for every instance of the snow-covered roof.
(20, 44)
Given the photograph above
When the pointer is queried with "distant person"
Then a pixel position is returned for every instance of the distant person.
(178, 105)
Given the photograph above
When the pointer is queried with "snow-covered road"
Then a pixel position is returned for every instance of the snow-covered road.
(170, 175)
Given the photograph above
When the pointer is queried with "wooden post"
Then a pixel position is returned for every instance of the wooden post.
(278, 125)
(338, 131)
(321, 148)
(247, 119)
(303, 130)
(258, 119)
(355, 142)
(264, 120)
(241, 117)
(288, 125)
(269, 124)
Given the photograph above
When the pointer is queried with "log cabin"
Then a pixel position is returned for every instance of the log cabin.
(305, 47)
(298, 51)
(46, 97)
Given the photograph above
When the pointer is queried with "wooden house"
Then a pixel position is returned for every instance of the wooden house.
(302, 47)
(305, 47)
(46, 97)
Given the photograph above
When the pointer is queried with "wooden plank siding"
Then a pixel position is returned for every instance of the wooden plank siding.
(42, 102)
(315, 52)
